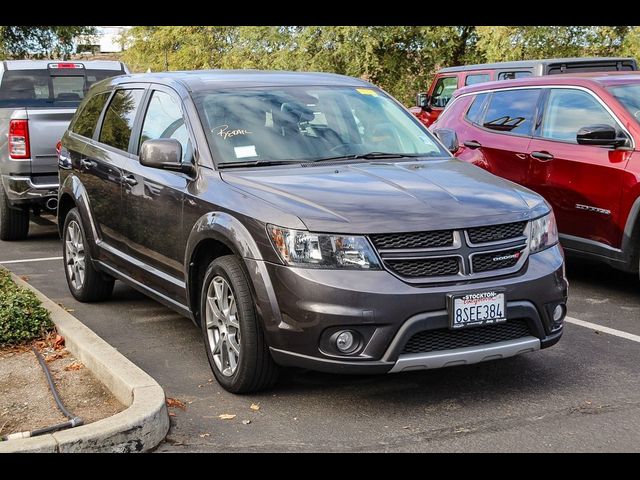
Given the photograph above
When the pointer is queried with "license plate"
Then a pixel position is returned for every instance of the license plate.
(480, 308)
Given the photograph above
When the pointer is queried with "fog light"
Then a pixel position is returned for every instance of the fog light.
(558, 312)
(345, 341)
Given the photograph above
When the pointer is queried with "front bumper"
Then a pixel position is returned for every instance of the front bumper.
(301, 307)
(22, 190)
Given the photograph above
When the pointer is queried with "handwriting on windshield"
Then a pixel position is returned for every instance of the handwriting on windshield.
(224, 131)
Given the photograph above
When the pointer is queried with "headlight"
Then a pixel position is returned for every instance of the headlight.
(544, 233)
(318, 250)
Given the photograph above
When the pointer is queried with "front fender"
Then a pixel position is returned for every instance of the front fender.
(228, 230)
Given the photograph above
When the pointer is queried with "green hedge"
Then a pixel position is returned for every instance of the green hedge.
(22, 316)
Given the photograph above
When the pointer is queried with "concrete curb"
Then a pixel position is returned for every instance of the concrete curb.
(140, 427)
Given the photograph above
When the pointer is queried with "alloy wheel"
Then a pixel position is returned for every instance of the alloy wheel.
(75, 255)
(223, 327)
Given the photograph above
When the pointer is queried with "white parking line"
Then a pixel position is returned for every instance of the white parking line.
(26, 260)
(600, 328)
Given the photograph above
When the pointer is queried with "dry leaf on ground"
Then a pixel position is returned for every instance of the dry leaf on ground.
(175, 403)
(255, 407)
(56, 356)
(24, 277)
(227, 416)
(58, 342)
(74, 366)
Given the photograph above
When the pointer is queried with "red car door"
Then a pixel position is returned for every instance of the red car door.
(500, 131)
(582, 182)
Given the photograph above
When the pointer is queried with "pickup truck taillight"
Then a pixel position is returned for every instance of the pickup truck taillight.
(19, 139)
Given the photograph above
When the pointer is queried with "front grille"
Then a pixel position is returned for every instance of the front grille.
(496, 260)
(435, 239)
(430, 267)
(444, 255)
(446, 339)
(494, 233)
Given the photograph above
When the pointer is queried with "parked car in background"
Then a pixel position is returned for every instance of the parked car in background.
(37, 100)
(430, 104)
(572, 138)
(303, 219)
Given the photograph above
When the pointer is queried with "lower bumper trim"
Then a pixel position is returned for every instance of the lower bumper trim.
(466, 356)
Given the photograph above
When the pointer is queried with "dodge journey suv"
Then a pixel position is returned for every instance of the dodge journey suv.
(303, 219)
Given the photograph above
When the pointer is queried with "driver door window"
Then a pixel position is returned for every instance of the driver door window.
(444, 88)
(164, 120)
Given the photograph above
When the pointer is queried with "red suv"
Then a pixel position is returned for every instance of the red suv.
(572, 138)
(430, 104)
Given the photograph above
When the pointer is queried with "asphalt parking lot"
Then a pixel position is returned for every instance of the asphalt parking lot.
(581, 395)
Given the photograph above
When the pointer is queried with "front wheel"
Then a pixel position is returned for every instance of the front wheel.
(236, 349)
(85, 282)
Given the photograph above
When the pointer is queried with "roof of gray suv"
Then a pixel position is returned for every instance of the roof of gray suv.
(196, 80)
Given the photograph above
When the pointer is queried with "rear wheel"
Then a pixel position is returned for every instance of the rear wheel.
(85, 282)
(14, 224)
(237, 351)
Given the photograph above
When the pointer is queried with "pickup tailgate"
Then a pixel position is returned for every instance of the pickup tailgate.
(46, 127)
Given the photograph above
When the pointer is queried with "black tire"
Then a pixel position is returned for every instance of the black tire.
(14, 224)
(96, 286)
(255, 369)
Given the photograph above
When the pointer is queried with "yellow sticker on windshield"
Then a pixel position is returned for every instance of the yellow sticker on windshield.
(367, 91)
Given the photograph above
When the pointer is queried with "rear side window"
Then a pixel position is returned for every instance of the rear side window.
(87, 117)
(39, 88)
(478, 78)
(512, 111)
(474, 114)
(568, 111)
(118, 119)
(513, 75)
(164, 120)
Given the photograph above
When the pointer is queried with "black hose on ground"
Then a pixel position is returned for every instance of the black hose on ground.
(73, 420)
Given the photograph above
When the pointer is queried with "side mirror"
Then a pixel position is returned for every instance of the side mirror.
(448, 137)
(422, 101)
(165, 154)
(600, 135)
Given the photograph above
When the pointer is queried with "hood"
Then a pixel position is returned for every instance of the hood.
(390, 197)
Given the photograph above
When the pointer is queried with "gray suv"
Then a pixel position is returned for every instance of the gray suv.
(303, 219)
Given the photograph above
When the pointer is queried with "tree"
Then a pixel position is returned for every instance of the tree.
(400, 59)
(39, 41)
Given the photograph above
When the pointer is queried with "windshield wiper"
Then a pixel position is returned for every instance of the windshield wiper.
(255, 163)
(370, 156)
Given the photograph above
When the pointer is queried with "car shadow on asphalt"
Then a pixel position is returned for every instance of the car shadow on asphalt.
(598, 274)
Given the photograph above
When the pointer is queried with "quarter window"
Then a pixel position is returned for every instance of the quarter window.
(87, 117)
(118, 120)
(478, 78)
(164, 120)
(474, 114)
(569, 110)
(442, 92)
(512, 111)
(513, 75)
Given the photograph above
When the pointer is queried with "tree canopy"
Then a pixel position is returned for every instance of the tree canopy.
(39, 41)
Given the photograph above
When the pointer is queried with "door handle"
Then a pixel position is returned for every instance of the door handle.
(88, 164)
(130, 180)
(472, 144)
(544, 156)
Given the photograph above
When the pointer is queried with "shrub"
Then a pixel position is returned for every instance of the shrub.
(22, 316)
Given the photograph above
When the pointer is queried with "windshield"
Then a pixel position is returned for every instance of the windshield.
(629, 97)
(39, 88)
(299, 124)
